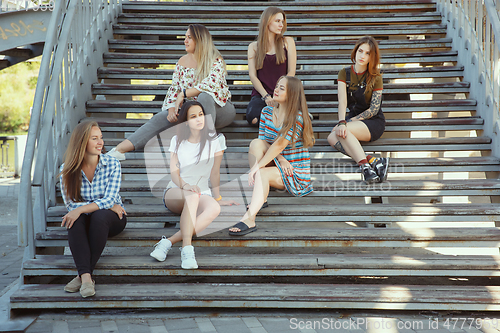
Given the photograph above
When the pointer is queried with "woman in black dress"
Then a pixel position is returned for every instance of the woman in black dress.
(360, 90)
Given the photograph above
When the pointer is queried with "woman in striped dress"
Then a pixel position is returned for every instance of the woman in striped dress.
(279, 157)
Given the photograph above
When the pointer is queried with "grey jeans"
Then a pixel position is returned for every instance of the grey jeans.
(222, 116)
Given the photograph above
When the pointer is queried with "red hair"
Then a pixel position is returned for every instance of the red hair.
(373, 64)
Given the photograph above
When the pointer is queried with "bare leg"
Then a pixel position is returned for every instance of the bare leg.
(264, 179)
(206, 209)
(256, 151)
(356, 132)
(125, 146)
(337, 143)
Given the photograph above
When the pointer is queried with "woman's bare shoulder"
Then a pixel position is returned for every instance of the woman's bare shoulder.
(289, 40)
(183, 61)
(252, 46)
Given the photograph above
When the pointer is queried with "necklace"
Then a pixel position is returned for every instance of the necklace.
(361, 81)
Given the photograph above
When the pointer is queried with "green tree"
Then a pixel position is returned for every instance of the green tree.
(17, 89)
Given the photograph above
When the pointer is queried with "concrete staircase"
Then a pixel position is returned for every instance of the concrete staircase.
(425, 239)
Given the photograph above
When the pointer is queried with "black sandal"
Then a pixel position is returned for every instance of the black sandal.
(244, 229)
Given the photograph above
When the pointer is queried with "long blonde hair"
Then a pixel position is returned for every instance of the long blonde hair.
(296, 101)
(373, 63)
(205, 51)
(263, 38)
(73, 159)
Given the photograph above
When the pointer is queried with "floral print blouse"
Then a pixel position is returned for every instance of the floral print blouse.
(214, 84)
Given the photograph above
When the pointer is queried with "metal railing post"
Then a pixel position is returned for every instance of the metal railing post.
(474, 27)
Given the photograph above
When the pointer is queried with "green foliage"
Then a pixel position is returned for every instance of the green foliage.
(17, 89)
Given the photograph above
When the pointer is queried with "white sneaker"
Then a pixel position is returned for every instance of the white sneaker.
(187, 258)
(116, 154)
(161, 249)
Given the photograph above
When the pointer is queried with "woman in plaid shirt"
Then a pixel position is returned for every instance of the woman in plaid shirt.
(90, 183)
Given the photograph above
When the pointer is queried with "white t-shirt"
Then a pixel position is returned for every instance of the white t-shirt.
(196, 173)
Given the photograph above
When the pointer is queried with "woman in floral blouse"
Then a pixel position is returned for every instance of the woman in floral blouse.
(199, 75)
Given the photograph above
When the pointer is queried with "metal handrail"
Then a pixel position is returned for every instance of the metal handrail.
(474, 26)
(77, 37)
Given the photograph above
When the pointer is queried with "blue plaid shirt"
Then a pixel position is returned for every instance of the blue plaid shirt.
(104, 189)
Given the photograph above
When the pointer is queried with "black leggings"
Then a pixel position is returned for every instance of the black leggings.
(254, 109)
(88, 235)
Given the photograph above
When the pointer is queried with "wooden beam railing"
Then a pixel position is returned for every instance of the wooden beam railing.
(77, 37)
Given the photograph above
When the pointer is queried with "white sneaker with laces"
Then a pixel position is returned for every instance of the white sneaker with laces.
(116, 154)
(161, 249)
(187, 258)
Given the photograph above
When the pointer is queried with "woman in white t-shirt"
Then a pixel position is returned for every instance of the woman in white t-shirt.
(195, 157)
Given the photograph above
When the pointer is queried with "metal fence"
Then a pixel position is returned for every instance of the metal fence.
(474, 26)
(77, 37)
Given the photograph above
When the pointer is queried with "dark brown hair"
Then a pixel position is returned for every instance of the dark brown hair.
(208, 134)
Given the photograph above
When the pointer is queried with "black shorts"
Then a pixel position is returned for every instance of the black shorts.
(376, 126)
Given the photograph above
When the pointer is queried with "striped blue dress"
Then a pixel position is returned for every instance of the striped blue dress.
(299, 184)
